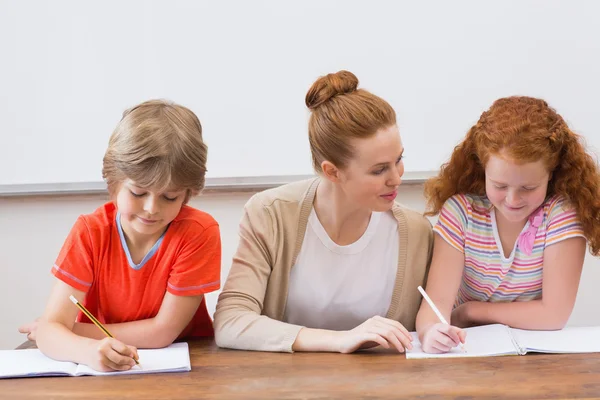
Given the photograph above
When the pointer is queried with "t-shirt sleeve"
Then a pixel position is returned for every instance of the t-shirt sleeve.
(452, 222)
(74, 263)
(197, 269)
(563, 223)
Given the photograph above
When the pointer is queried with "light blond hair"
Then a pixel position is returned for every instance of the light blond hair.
(157, 144)
(339, 113)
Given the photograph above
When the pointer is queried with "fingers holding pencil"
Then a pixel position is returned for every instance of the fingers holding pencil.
(113, 355)
(441, 337)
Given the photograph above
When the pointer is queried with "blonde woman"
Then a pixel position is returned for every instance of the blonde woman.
(332, 263)
(142, 262)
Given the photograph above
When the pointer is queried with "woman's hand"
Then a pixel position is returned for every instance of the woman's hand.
(376, 331)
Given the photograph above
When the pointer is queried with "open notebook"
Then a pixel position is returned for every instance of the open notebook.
(32, 363)
(500, 340)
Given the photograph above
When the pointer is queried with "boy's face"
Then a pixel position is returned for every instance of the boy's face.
(145, 214)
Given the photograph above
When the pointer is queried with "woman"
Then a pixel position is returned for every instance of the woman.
(331, 263)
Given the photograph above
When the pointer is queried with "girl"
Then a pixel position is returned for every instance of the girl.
(517, 202)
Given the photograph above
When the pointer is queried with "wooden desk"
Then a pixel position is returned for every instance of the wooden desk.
(218, 373)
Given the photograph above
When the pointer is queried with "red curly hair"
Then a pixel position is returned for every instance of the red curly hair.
(527, 130)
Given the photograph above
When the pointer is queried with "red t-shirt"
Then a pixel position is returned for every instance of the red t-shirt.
(186, 261)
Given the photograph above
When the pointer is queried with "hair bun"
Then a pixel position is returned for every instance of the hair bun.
(329, 86)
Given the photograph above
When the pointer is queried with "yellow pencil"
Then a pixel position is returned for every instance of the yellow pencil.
(93, 319)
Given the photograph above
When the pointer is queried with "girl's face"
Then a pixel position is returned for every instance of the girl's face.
(515, 190)
(371, 178)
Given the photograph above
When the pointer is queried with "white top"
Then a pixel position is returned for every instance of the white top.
(339, 287)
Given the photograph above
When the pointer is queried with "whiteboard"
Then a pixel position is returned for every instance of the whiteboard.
(69, 68)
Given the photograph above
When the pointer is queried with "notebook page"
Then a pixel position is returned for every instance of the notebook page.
(174, 358)
(567, 340)
(31, 362)
(482, 341)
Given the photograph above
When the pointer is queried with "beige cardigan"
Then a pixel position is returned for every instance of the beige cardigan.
(251, 306)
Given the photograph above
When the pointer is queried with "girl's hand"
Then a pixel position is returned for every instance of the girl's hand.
(441, 338)
(376, 331)
(109, 354)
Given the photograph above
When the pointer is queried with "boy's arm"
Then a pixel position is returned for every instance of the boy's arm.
(56, 339)
(54, 336)
(563, 263)
(196, 271)
(174, 315)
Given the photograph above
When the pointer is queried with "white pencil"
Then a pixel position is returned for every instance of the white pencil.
(436, 311)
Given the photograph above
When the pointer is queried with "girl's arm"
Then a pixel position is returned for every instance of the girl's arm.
(55, 338)
(443, 281)
(563, 263)
(174, 315)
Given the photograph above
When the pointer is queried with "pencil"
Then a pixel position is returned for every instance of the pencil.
(436, 311)
(94, 320)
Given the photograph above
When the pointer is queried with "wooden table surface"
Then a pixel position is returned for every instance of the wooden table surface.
(219, 373)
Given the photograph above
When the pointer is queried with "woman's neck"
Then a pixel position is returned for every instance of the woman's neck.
(344, 221)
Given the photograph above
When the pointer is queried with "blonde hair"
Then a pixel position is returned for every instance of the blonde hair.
(340, 112)
(157, 144)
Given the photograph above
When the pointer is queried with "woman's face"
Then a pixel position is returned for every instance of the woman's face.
(371, 178)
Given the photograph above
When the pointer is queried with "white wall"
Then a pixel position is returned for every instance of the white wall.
(32, 231)
(245, 66)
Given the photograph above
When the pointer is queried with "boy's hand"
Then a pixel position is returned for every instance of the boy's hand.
(30, 329)
(109, 354)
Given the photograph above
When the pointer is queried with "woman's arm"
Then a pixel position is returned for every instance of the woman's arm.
(373, 332)
(239, 323)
